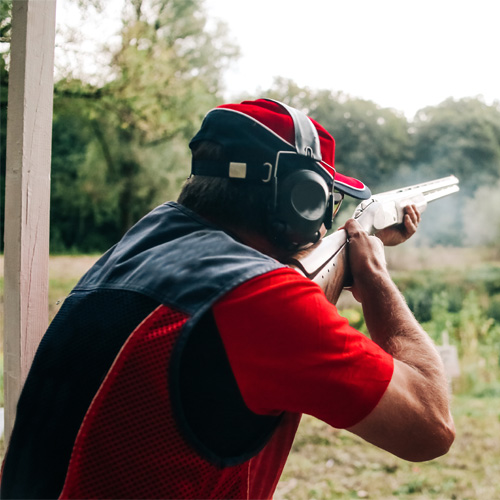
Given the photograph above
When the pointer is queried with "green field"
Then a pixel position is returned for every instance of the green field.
(453, 289)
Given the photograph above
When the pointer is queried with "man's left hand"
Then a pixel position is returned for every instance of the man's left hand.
(395, 235)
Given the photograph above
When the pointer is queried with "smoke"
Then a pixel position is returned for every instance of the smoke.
(442, 223)
(482, 217)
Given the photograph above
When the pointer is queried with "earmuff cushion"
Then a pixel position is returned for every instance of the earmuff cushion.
(301, 202)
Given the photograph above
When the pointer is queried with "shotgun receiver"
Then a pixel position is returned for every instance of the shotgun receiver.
(325, 263)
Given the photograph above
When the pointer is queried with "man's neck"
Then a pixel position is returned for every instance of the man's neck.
(253, 239)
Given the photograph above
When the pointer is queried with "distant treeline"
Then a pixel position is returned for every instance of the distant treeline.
(120, 148)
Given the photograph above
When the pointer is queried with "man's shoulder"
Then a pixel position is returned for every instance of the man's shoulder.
(281, 287)
(178, 259)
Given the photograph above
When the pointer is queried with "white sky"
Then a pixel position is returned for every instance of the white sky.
(399, 53)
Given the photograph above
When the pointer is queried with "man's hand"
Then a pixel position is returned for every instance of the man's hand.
(366, 258)
(395, 235)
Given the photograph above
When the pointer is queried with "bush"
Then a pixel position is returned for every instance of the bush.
(466, 305)
(476, 335)
(494, 308)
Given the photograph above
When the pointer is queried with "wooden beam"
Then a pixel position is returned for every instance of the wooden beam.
(27, 191)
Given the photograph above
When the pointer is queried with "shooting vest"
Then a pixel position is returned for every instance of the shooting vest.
(131, 394)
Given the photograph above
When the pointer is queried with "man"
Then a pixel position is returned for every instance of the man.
(180, 364)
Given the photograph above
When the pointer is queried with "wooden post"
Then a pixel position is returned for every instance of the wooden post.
(27, 191)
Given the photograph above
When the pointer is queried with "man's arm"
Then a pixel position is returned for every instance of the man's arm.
(412, 420)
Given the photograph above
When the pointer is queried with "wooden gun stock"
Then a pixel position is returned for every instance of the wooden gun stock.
(326, 264)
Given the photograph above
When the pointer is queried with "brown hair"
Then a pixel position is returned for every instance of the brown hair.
(235, 202)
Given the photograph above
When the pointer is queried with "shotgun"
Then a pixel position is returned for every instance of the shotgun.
(325, 263)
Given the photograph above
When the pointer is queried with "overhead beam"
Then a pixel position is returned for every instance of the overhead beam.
(27, 191)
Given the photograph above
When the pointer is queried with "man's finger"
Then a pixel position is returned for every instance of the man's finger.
(410, 225)
(353, 228)
(413, 212)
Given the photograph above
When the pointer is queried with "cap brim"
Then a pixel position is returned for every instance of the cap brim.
(352, 187)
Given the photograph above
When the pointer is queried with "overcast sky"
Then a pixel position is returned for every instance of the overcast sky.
(399, 53)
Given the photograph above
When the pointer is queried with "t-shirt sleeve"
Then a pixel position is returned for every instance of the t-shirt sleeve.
(290, 350)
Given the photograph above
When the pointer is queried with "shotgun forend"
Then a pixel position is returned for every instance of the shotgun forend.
(325, 263)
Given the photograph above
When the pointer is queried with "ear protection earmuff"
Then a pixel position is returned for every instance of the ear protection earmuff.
(302, 199)
(300, 203)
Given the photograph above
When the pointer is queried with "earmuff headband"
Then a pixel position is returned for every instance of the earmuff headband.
(306, 135)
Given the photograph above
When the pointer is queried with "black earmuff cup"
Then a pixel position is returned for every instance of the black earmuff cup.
(302, 199)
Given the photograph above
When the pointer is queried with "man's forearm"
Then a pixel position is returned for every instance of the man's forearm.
(422, 427)
(392, 325)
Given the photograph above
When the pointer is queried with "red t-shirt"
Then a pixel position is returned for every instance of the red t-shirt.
(290, 350)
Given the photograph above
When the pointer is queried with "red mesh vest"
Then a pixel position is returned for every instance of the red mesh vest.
(146, 456)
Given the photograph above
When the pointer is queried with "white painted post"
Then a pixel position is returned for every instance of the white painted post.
(27, 191)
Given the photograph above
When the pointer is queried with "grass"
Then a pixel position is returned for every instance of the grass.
(327, 463)
(64, 273)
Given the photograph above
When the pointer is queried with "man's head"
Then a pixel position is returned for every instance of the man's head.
(274, 169)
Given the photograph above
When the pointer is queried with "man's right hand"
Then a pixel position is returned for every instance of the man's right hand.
(366, 258)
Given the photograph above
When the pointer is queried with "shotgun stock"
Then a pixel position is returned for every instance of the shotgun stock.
(326, 263)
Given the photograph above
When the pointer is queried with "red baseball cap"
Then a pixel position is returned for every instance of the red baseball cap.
(267, 128)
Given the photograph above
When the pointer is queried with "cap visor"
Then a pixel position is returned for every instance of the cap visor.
(351, 187)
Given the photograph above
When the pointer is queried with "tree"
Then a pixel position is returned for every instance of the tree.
(372, 142)
(5, 20)
(81, 213)
(165, 74)
(5, 28)
(120, 145)
(462, 138)
(459, 137)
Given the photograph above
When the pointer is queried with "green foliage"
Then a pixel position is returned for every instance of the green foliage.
(167, 69)
(423, 289)
(5, 20)
(477, 338)
(120, 145)
(460, 137)
(366, 135)
(493, 310)
(120, 149)
(4, 82)
(5, 32)
(2, 392)
(355, 318)
(463, 306)
(420, 302)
